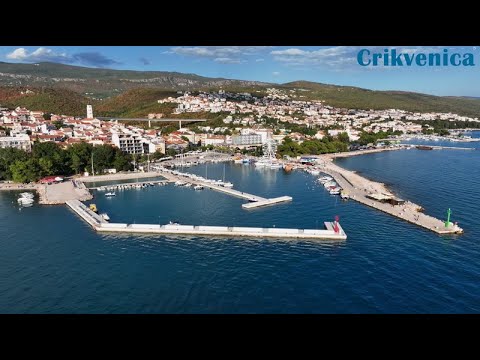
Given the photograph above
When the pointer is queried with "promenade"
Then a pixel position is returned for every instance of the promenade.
(359, 187)
(332, 231)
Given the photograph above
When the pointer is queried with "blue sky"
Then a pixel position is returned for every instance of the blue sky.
(278, 64)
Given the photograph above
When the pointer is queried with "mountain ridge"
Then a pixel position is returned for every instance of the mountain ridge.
(82, 85)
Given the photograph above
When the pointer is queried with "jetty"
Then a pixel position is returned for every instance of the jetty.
(255, 200)
(376, 195)
(130, 184)
(332, 231)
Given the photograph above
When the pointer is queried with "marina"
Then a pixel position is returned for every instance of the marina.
(126, 186)
(382, 256)
(181, 179)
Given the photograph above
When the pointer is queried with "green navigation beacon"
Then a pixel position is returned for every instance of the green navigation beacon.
(447, 223)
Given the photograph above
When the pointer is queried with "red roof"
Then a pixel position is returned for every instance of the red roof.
(48, 179)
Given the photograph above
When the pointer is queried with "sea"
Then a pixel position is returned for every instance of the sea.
(53, 262)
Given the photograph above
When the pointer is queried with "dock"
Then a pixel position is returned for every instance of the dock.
(266, 202)
(255, 200)
(362, 190)
(436, 147)
(332, 231)
(139, 183)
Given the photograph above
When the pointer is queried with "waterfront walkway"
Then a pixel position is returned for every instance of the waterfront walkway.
(333, 231)
(54, 194)
(358, 188)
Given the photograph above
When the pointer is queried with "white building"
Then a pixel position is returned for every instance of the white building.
(247, 139)
(21, 141)
(128, 143)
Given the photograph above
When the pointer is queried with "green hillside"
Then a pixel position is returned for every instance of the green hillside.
(67, 89)
(136, 103)
(48, 100)
(102, 83)
(358, 98)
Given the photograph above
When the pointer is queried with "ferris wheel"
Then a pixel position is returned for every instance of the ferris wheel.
(269, 148)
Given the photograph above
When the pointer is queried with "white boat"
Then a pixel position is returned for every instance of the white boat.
(329, 184)
(105, 216)
(188, 184)
(325, 179)
(27, 195)
(228, 185)
(276, 166)
(198, 187)
(335, 191)
(110, 194)
(25, 201)
(238, 161)
(263, 162)
(179, 183)
(314, 172)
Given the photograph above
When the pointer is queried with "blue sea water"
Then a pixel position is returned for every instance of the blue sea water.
(52, 262)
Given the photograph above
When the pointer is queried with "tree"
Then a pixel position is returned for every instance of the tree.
(80, 155)
(46, 167)
(171, 152)
(9, 156)
(122, 162)
(343, 137)
(58, 124)
(103, 158)
(184, 138)
(25, 171)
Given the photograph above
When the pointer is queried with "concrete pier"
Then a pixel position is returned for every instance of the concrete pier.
(359, 188)
(333, 231)
(266, 202)
(255, 201)
(104, 187)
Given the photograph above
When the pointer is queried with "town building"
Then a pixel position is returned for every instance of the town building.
(20, 141)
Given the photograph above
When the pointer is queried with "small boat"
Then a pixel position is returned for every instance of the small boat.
(93, 207)
(27, 195)
(314, 172)
(238, 161)
(276, 166)
(188, 184)
(25, 201)
(329, 184)
(105, 216)
(110, 194)
(344, 195)
(228, 184)
(179, 183)
(335, 191)
(198, 187)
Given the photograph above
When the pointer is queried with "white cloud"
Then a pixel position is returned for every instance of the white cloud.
(41, 54)
(45, 54)
(338, 57)
(17, 54)
(275, 73)
(220, 54)
(227, 60)
(259, 60)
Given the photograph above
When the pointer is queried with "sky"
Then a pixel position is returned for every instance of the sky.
(277, 64)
